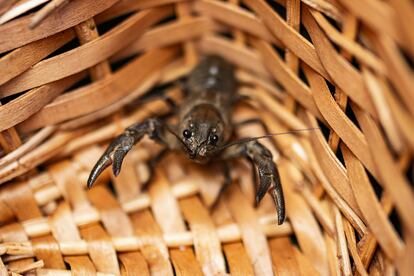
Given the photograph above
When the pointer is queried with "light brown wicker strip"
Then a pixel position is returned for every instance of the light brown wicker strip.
(66, 87)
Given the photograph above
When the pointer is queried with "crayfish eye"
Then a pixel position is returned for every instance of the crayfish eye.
(186, 133)
(214, 139)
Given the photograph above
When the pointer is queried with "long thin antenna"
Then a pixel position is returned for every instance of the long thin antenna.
(249, 139)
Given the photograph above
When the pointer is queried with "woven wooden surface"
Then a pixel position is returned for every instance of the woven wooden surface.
(69, 71)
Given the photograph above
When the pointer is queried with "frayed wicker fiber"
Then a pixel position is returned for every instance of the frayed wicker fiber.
(73, 75)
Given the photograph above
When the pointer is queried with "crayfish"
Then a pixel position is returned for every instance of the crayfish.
(204, 131)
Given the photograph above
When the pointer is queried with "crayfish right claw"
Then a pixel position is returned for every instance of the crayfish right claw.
(121, 145)
(115, 154)
(103, 162)
(118, 158)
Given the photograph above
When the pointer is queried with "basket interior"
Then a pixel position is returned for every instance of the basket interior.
(87, 69)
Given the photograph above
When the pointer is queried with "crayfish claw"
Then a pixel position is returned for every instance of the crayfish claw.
(100, 166)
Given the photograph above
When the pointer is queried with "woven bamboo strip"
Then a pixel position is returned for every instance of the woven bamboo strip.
(226, 234)
(45, 12)
(20, 35)
(344, 67)
(101, 48)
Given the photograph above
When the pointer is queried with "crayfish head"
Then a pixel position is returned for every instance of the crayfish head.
(202, 133)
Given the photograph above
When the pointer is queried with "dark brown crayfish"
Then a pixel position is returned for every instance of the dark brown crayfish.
(204, 131)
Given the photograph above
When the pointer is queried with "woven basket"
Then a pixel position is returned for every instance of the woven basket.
(70, 76)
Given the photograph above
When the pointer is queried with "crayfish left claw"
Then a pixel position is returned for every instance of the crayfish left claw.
(277, 196)
(269, 180)
(261, 191)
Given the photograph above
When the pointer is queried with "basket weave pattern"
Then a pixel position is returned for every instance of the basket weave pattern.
(66, 88)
